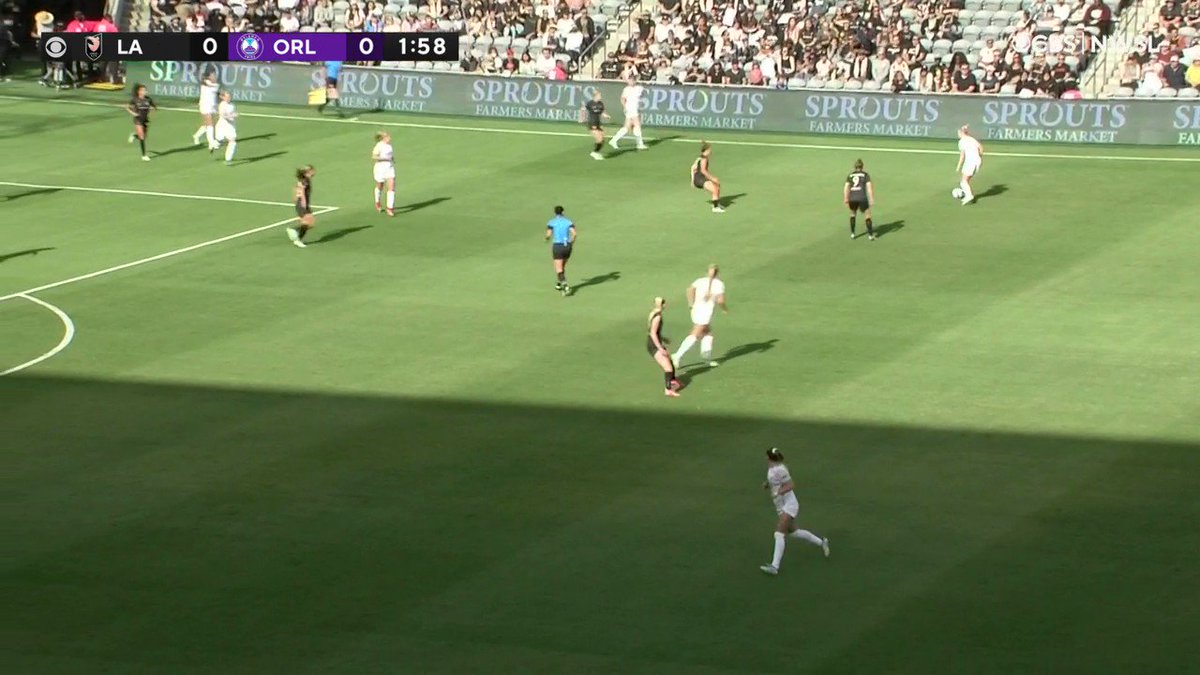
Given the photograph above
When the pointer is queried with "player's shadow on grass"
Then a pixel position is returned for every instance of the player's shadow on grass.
(182, 148)
(259, 137)
(29, 251)
(338, 234)
(994, 191)
(259, 158)
(30, 193)
(888, 228)
(417, 206)
(596, 281)
(649, 144)
(735, 353)
(729, 200)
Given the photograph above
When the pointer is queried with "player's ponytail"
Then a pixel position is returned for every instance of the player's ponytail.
(379, 135)
(712, 274)
(775, 455)
(705, 146)
(858, 165)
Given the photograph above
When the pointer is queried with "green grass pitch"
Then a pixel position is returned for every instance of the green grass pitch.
(400, 451)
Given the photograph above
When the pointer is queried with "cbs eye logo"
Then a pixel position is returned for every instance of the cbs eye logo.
(56, 47)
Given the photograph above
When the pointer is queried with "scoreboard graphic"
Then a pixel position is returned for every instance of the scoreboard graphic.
(311, 47)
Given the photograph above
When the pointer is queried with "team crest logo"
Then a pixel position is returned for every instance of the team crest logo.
(249, 46)
(92, 46)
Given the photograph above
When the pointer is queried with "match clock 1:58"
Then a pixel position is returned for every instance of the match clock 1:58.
(421, 47)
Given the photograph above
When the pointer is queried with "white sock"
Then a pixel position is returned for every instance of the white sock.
(966, 188)
(808, 536)
(619, 135)
(377, 193)
(684, 347)
(229, 150)
(638, 135)
(391, 199)
(706, 344)
(780, 543)
(293, 234)
(208, 133)
(199, 132)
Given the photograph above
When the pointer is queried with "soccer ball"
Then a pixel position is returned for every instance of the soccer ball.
(957, 193)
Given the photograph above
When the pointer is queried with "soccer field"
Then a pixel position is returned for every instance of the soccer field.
(400, 450)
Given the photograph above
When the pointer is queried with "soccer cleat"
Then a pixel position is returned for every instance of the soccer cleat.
(671, 392)
(770, 569)
(613, 144)
(717, 209)
(131, 138)
(229, 162)
(145, 158)
(871, 237)
(596, 155)
(378, 207)
(968, 200)
(825, 546)
(643, 146)
(558, 286)
(566, 290)
(713, 364)
(299, 244)
(391, 213)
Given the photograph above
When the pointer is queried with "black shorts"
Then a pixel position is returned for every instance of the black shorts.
(331, 82)
(595, 126)
(139, 122)
(302, 210)
(698, 180)
(858, 205)
(561, 251)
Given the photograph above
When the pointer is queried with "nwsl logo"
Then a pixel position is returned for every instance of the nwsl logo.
(249, 47)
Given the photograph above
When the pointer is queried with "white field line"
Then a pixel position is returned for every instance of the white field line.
(161, 256)
(568, 134)
(68, 335)
(145, 193)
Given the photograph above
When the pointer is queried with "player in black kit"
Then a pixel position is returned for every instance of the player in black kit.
(858, 195)
(304, 214)
(656, 346)
(703, 180)
(139, 108)
(593, 115)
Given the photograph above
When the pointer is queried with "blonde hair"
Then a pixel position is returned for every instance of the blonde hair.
(713, 270)
(379, 135)
(659, 303)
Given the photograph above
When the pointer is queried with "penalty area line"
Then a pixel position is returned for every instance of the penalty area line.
(68, 334)
(569, 134)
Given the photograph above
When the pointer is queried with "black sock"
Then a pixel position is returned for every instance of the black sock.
(853, 221)
(321, 108)
(302, 230)
(667, 377)
(716, 203)
(142, 145)
(870, 229)
(562, 277)
(598, 146)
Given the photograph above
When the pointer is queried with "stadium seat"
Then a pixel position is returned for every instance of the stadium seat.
(483, 42)
(993, 32)
(960, 45)
(971, 33)
(306, 29)
(520, 45)
(833, 84)
(465, 41)
(1002, 17)
(424, 65)
(1188, 32)
(973, 5)
(942, 46)
(815, 83)
(965, 16)
(502, 43)
(1190, 92)
(983, 17)
(1124, 92)
(871, 85)
(1073, 62)
(992, 5)
(852, 85)
(341, 5)
(1008, 89)
(442, 65)
(324, 29)
(1166, 92)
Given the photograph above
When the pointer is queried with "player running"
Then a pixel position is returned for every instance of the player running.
(139, 109)
(385, 171)
(561, 232)
(703, 180)
(209, 91)
(226, 131)
(304, 214)
(656, 346)
(858, 195)
(631, 101)
(592, 113)
(703, 296)
(970, 159)
(779, 484)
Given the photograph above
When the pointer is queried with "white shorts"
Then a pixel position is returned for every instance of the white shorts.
(787, 504)
(969, 168)
(633, 116)
(206, 109)
(701, 316)
(384, 171)
(225, 131)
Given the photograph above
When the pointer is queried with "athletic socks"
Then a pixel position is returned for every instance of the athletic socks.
(780, 544)
(142, 145)
(377, 195)
(391, 199)
(303, 231)
(716, 203)
(293, 234)
(208, 134)
(706, 345)
(638, 135)
(808, 536)
(683, 348)
(966, 188)
(618, 136)
(853, 222)
(196, 136)
(870, 228)
(598, 146)
(229, 150)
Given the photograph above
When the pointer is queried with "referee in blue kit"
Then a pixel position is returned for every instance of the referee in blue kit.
(560, 231)
(333, 71)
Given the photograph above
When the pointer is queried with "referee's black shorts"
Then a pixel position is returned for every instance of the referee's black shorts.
(561, 251)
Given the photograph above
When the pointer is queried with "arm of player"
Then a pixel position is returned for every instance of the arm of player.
(846, 192)
(549, 231)
(582, 113)
(870, 194)
(721, 303)
(300, 195)
(691, 295)
(658, 343)
(571, 235)
(784, 489)
(962, 157)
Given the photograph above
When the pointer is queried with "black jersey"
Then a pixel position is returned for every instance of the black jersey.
(305, 184)
(857, 180)
(698, 175)
(654, 332)
(595, 112)
(141, 108)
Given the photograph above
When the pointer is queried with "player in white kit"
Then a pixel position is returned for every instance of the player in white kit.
(631, 101)
(226, 131)
(385, 171)
(209, 89)
(970, 159)
(779, 484)
(703, 296)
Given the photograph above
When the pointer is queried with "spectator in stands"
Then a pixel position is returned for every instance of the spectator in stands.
(289, 23)
(1131, 72)
(964, 80)
(900, 83)
(1062, 76)
(1151, 82)
(1171, 13)
(491, 63)
(988, 53)
(528, 66)
(510, 64)
(1193, 74)
(1174, 74)
(354, 19)
(610, 68)
(558, 72)
(990, 82)
(79, 24)
(1191, 14)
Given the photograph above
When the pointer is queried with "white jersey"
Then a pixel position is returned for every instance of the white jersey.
(777, 477)
(208, 97)
(227, 112)
(632, 97)
(706, 293)
(385, 164)
(226, 128)
(972, 153)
